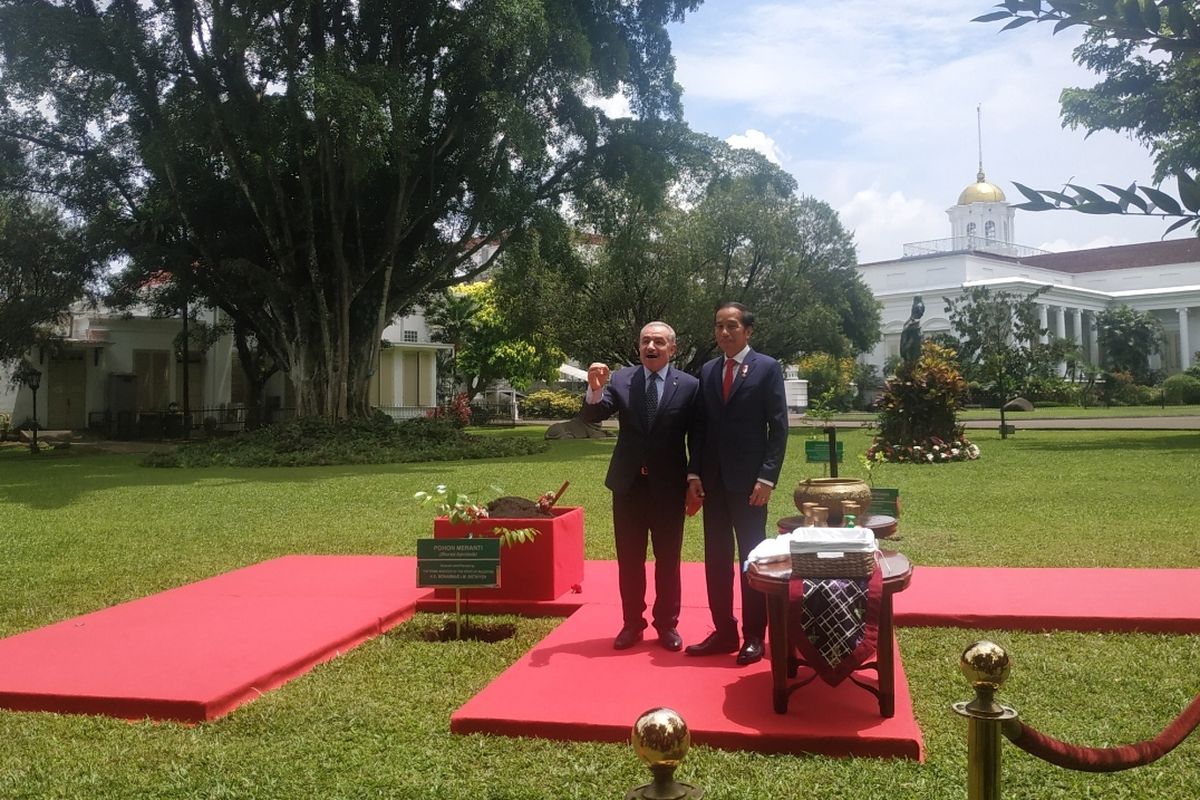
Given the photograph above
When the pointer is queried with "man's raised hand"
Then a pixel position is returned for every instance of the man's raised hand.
(598, 375)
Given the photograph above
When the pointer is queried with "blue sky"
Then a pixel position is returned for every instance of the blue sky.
(871, 106)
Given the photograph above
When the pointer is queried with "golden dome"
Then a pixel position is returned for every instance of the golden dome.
(981, 192)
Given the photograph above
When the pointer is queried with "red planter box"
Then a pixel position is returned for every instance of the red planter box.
(543, 569)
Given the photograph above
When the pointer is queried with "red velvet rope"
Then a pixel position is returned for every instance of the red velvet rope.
(1105, 759)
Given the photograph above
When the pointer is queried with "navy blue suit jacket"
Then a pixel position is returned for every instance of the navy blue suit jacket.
(660, 449)
(743, 439)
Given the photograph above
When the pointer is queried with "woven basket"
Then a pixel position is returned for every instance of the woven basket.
(849, 565)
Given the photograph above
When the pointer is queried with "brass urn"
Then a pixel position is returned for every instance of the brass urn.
(831, 493)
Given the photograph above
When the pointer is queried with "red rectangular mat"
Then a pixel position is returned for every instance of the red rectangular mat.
(198, 651)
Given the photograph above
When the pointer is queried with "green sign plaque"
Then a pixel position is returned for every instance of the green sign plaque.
(458, 563)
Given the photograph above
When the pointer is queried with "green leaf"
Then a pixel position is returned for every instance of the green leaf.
(1189, 192)
(1179, 223)
(1087, 195)
(1162, 201)
(992, 17)
(1036, 205)
(1128, 197)
(1016, 23)
(1101, 207)
(1033, 194)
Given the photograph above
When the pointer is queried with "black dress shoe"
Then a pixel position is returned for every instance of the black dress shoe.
(627, 638)
(714, 644)
(751, 651)
(670, 639)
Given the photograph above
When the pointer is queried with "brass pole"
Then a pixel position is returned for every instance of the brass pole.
(985, 665)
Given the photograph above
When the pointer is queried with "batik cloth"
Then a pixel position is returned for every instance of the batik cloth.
(834, 622)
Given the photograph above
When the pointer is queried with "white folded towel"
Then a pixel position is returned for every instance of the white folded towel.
(814, 540)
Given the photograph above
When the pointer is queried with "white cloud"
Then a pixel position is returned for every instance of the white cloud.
(756, 140)
(873, 110)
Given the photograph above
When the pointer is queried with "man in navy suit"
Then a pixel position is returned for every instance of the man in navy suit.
(734, 467)
(656, 406)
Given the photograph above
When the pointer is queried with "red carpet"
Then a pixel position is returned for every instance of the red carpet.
(199, 651)
(574, 686)
(1046, 598)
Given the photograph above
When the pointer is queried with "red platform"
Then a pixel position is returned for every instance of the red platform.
(542, 569)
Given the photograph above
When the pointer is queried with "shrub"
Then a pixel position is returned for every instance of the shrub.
(1182, 389)
(551, 404)
(918, 412)
(829, 378)
(457, 411)
(1120, 389)
(314, 441)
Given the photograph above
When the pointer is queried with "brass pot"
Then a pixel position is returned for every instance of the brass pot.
(831, 492)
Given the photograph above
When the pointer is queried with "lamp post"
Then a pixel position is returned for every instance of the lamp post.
(33, 379)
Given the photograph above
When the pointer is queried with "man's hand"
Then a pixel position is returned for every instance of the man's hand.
(761, 494)
(598, 375)
(695, 497)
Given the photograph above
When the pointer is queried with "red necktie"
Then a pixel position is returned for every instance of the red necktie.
(730, 365)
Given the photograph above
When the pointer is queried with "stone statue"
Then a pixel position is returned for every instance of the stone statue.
(910, 337)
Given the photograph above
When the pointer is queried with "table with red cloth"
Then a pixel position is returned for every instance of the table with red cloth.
(774, 579)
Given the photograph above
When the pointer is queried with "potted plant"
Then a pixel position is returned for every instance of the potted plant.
(541, 557)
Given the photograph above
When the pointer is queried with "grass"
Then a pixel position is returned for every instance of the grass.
(79, 532)
(1057, 412)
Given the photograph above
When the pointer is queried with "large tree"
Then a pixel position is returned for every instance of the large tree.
(1127, 339)
(1147, 53)
(732, 228)
(327, 162)
(46, 264)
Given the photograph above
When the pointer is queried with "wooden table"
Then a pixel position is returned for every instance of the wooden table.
(882, 525)
(773, 580)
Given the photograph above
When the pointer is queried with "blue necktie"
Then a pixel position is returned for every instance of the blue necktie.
(651, 398)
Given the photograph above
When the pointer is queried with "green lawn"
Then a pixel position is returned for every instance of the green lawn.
(79, 532)
(1058, 412)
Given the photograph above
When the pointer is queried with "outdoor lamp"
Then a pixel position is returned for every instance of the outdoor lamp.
(33, 379)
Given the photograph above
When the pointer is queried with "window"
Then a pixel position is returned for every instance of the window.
(153, 369)
(970, 229)
(989, 229)
(410, 336)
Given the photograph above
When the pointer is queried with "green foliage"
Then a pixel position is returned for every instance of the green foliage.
(45, 265)
(317, 171)
(551, 404)
(489, 345)
(733, 229)
(1123, 389)
(829, 379)
(316, 441)
(468, 508)
(1127, 339)
(918, 411)
(1145, 52)
(1182, 389)
(1000, 348)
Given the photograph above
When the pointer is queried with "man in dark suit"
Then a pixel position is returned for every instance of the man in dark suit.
(734, 467)
(656, 406)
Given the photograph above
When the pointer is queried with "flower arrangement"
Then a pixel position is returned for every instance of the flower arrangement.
(933, 450)
(463, 508)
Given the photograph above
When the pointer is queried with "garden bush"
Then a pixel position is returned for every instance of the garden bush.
(918, 412)
(1182, 389)
(551, 404)
(829, 378)
(315, 441)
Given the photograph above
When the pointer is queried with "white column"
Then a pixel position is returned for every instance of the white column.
(1044, 323)
(1077, 313)
(1093, 339)
(1185, 347)
(1060, 327)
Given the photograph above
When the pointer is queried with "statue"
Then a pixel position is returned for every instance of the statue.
(910, 337)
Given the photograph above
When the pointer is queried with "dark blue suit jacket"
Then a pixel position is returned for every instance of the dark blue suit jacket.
(660, 449)
(743, 439)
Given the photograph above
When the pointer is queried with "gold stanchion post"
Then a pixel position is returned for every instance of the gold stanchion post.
(985, 665)
(661, 738)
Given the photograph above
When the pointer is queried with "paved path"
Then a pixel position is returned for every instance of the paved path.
(1191, 423)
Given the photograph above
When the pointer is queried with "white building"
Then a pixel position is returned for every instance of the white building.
(1162, 278)
(118, 374)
